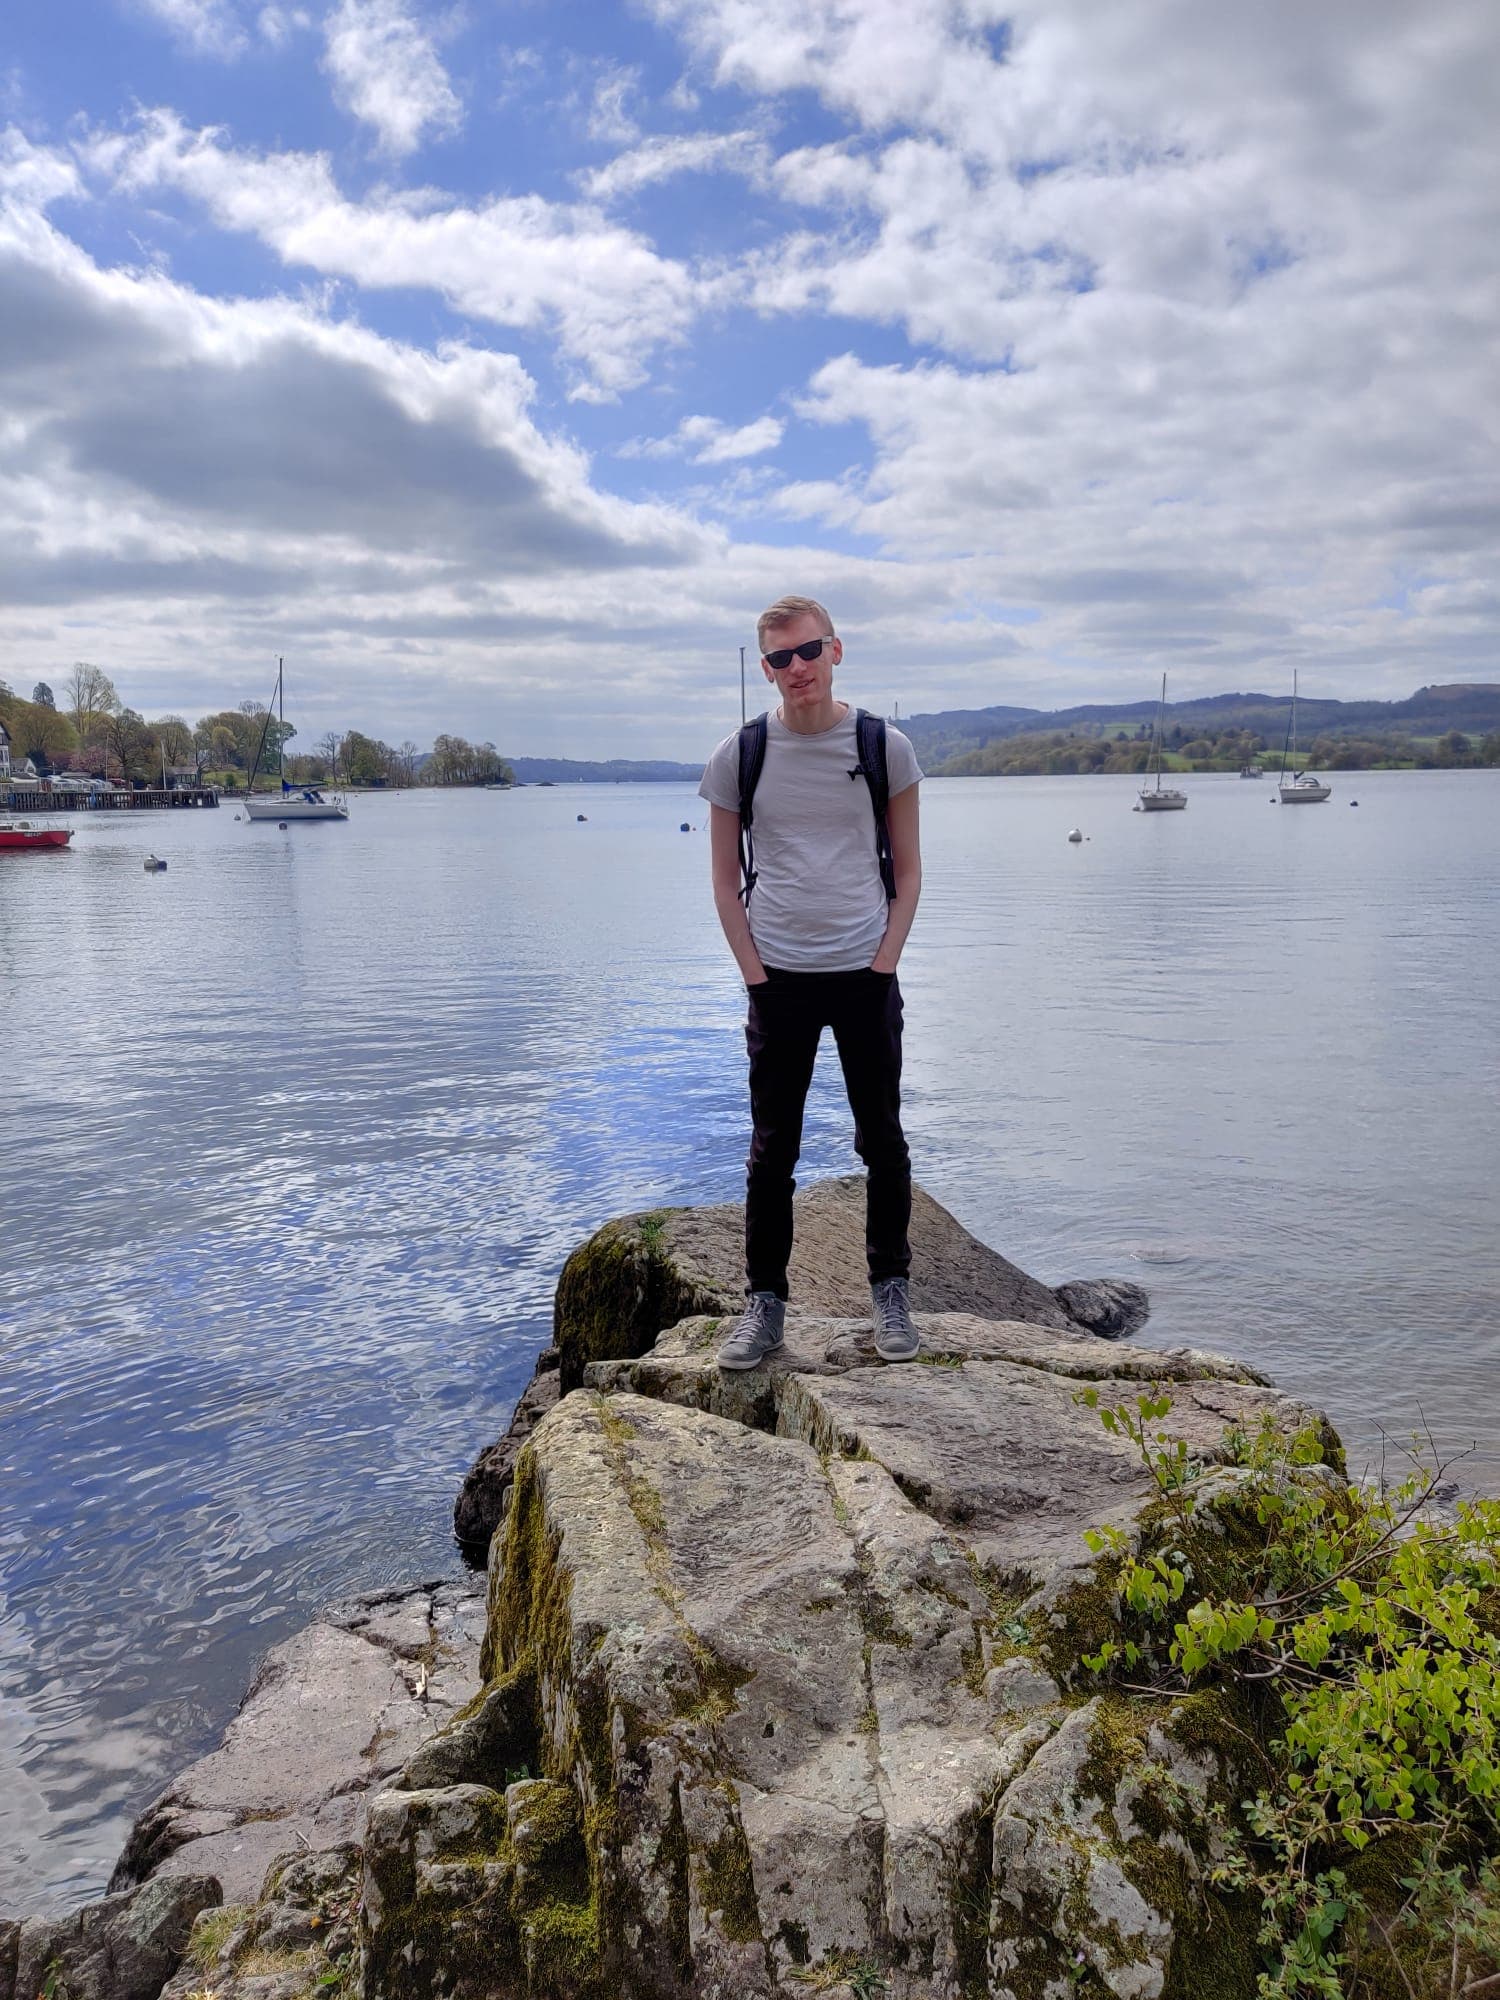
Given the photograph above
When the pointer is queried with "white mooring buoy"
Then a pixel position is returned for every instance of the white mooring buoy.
(1075, 836)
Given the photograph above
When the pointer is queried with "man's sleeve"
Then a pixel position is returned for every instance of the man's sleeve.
(901, 766)
(720, 784)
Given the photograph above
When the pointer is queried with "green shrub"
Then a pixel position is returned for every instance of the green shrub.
(1374, 1629)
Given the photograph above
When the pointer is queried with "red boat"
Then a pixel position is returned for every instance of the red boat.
(22, 833)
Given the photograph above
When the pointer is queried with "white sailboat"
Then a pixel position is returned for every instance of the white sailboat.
(294, 801)
(1159, 798)
(1301, 788)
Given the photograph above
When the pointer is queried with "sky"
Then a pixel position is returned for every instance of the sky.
(497, 361)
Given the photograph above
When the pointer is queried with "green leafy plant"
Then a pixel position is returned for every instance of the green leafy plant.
(1375, 1631)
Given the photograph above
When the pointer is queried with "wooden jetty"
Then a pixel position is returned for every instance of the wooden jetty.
(25, 799)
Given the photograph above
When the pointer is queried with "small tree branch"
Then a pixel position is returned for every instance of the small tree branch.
(1385, 1937)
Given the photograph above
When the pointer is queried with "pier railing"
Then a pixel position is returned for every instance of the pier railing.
(22, 799)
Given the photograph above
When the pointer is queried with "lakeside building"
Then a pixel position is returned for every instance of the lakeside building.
(15, 776)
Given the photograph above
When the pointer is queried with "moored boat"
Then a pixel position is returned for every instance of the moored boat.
(1159, 798)
(304, 802)
(1301, 788)
(293, 801)
(17, 835)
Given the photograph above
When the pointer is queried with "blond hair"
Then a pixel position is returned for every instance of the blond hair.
(784, 610)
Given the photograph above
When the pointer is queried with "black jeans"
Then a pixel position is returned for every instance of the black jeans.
(788, 1014)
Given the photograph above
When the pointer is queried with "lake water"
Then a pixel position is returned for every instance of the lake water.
(299, 1132)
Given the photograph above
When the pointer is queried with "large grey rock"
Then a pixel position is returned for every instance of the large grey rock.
(645, 1272)
(779, 1681)
(1006, 1454)
(332, 1713)
(444, 1853)
(799, 1643)
(988, 1436)
(124, 1947)
(760, 1690)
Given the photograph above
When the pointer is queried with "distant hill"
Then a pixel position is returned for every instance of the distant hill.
(616, 771)
(1473, 707)
(1469, 706)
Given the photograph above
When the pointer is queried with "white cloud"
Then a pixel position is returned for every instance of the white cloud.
(32, 177)
(707, 441)
(663, 157)
(192, 485)
(177, 465)
(611, 121)
(207, 27)
(518, 261)
(1167, 328)
(1195, 297)
(277, 25)
(387, 73)
(713, 443)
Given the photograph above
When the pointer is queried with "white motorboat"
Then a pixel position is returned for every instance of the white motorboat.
(293, 801)
(1301, 788)
(1159, 798)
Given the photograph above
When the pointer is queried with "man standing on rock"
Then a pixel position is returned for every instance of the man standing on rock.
(831, 874)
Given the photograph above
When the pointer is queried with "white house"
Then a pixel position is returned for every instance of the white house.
(11, 772)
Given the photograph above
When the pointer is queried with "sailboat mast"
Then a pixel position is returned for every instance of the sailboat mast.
(280, 725)
(1161, 729)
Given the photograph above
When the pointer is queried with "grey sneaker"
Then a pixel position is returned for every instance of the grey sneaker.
(757, 1332)
(896, 1339)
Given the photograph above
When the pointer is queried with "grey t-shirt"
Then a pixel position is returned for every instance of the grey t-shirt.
(818, 904)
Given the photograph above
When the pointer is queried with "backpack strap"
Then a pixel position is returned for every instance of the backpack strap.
(752, 761)
(869, 735)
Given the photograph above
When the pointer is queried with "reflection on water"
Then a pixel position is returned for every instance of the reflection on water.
(301, 1130)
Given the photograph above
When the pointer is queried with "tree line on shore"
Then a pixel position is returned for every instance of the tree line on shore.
(1060, 752)
(85, 728)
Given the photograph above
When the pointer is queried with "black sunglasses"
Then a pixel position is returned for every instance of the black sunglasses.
(782, 658)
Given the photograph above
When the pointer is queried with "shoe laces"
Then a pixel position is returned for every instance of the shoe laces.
(891, 1301)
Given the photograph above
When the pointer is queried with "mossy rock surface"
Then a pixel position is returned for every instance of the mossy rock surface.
(1101, 1858)
(645, 1272)
(618, 1291)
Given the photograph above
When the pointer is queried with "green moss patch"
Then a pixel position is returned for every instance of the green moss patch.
(618, 1291)
(727, 1884)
